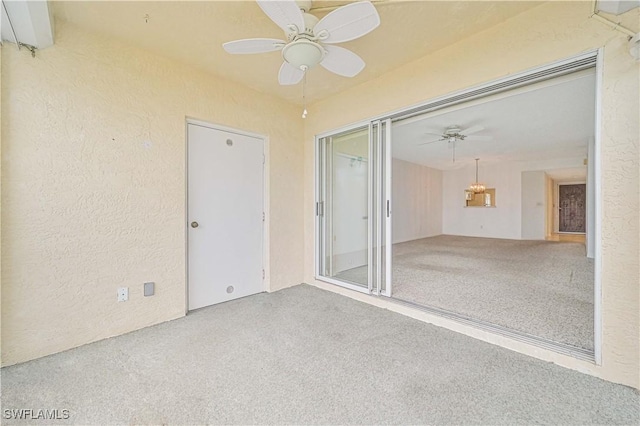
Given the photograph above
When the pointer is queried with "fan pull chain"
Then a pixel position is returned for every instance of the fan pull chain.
(304, 95)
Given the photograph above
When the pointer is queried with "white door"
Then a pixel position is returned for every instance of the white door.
(225, 215)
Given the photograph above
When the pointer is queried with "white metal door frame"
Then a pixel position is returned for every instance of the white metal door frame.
(265, 199)
(323, 184)
(388, 172)
(371, 196)
(378, 209)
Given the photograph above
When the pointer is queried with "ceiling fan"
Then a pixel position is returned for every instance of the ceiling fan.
(309, 40)
(456, 133)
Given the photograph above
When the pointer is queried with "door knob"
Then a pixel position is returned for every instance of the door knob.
(194, 224)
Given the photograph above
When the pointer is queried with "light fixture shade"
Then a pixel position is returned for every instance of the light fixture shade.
(477, 188)
(303, 54)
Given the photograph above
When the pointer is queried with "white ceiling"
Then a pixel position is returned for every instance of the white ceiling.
(550, 120)
(193, 32)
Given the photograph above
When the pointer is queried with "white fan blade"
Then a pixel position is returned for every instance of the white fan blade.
(348, 22)
(437, 140)
(284, 13)
(289, 74)
(342, 61)
(471, 130)
(254, 45)
(478, 138)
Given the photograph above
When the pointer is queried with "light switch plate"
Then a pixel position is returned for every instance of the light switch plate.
(149, 289)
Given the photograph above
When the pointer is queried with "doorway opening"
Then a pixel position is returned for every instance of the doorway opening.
(489, 217)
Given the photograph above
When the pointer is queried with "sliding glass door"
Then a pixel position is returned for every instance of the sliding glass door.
(455, 246)
(342, 208)
(353, 208)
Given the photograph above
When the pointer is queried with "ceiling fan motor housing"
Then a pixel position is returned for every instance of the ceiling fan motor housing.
(310, 22)
(303, 52)
(453, 130)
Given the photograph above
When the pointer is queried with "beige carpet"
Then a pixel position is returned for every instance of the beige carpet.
(310, 357)
(543, 288)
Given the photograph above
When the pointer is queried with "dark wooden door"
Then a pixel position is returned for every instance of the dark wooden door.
(572, 201)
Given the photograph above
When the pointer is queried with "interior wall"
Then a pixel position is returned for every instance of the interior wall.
(506, 219)
(550, 32)
(503, 221)
(93, 187)
(416, 202)
(534, 198)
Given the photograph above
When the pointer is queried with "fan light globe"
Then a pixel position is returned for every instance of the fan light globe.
(303, 54)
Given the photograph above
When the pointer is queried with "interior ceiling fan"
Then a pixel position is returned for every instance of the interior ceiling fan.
(456, 133)
(309, 40)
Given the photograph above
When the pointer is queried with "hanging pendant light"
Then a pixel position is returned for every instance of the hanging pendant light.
(477, 187)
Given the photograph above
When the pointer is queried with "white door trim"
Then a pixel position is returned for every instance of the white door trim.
(266, 282)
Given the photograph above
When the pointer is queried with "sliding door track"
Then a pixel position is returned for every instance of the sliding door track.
(573, 351)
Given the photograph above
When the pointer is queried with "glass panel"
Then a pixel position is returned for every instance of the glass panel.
(346, 221)
(377, 212)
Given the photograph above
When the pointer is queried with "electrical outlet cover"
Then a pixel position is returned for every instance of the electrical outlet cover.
(123, 294)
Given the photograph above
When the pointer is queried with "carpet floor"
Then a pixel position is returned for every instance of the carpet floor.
(542, 288)
(308, 356)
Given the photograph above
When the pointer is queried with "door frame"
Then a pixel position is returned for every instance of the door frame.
(266, 276)
(323, 184)
(556, 200)
(320, 193)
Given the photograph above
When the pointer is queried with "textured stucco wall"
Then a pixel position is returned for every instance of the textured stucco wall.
(94, 187)
(547, 33)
